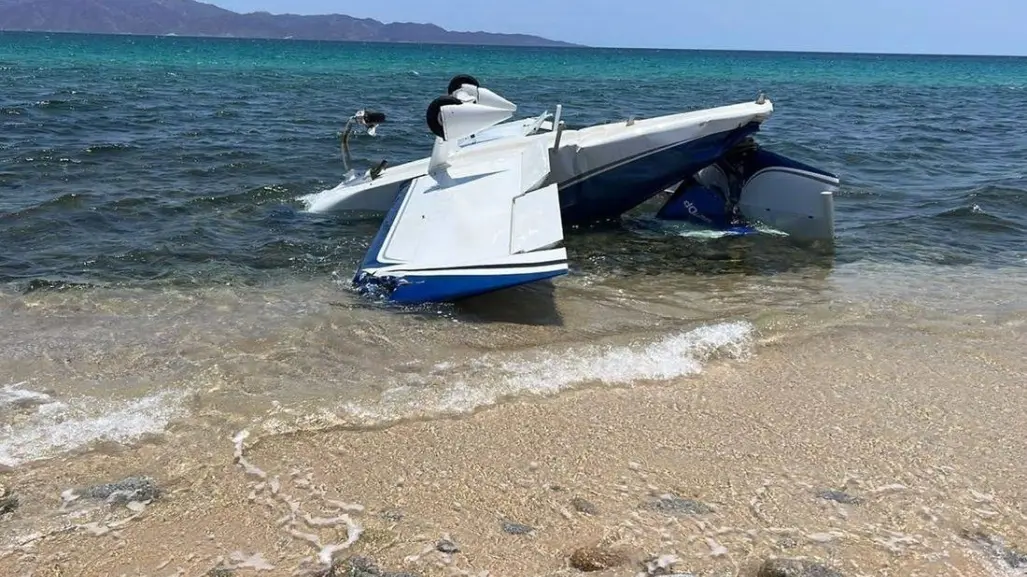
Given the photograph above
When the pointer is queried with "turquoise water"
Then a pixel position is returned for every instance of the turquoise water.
(146, 161)
(160, 177)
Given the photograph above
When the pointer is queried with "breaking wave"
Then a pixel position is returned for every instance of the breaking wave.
(456, 388)
(40, 426)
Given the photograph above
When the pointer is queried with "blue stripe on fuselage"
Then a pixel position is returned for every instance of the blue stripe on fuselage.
(609, 193)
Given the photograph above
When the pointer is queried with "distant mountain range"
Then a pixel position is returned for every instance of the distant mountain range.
(191, 18)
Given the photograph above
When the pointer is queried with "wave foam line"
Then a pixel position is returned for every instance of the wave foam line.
(57, 427)
(674, 356)
(16, 396)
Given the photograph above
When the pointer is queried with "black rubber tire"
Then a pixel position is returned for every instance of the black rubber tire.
(459, 80)
(434, 109)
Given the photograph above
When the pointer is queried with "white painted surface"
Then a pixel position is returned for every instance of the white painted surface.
(792, 201)
(596, 148)
(468, 215)
(536, 220)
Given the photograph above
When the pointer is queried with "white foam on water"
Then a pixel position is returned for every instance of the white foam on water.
(16, 396)
(485, 381)
(652, 227)
(55, 427)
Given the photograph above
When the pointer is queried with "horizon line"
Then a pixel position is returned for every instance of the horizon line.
(563, 44)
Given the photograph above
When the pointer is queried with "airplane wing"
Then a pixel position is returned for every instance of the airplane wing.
(480, 226)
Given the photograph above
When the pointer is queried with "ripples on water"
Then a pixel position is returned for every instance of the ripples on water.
(141, 163)
(157, 160)
(132, 165)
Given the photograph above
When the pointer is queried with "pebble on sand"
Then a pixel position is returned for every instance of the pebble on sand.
(516, 528)
(447, 546)
(121, 492)
(590, 559)
(584, 506)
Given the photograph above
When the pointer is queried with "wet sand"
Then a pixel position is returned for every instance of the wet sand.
(916, 425)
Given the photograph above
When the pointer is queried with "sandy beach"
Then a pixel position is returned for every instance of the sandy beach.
(874, 450)
(191, 386)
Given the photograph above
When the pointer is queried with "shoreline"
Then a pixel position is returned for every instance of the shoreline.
(720, 400)
(916, 460)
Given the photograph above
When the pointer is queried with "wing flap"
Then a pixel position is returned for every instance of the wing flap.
(535, 220)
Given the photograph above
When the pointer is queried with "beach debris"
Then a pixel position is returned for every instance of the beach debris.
(673, 505)
(512, 528)
(584, 506)
(795, 568)
(447, 546)
(590, 559)
(839, 497)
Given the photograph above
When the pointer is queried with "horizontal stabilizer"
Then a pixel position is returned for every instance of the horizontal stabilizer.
(462, 120)
(485, 97)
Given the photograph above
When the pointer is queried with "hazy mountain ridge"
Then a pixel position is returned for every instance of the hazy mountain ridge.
(191, 18)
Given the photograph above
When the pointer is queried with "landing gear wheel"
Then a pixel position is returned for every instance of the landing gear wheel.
(461, 79)
(432, 116)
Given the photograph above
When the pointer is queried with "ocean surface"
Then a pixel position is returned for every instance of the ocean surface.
(156, 264)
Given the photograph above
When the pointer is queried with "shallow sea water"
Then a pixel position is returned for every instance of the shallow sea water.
(159, 274)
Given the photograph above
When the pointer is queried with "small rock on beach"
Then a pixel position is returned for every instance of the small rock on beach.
(123, 491)
(516, 528)
(584, 506)
(447, 546)
(590, 559)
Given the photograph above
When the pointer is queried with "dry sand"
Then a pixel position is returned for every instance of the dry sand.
(922, 425)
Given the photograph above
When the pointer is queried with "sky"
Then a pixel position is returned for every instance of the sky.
(895, 26)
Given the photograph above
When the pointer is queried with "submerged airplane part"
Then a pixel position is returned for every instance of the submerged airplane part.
(487, 209)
